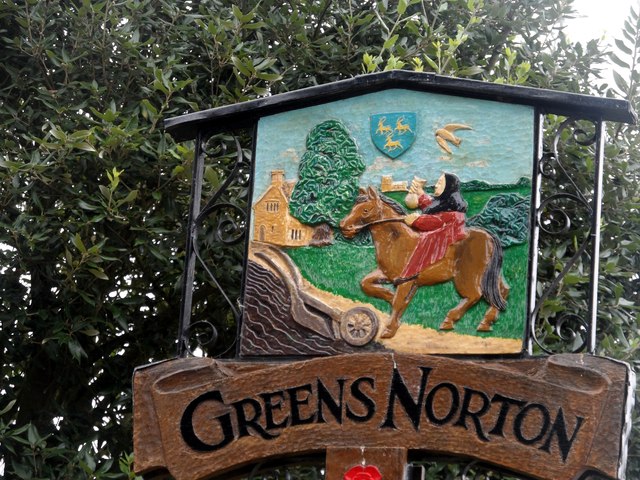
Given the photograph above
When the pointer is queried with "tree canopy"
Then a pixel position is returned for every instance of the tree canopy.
(94, 196)
(329, 174)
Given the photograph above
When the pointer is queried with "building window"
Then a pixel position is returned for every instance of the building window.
(273, 206)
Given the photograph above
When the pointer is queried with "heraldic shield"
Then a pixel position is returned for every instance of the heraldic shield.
(393, 133)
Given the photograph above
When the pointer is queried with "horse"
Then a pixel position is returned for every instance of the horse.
(474, 263)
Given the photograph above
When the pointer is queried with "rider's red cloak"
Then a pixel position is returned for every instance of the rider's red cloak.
(437, 232)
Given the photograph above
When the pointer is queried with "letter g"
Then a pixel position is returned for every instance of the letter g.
(188, 432)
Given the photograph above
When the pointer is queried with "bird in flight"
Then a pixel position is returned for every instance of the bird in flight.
(445, 136)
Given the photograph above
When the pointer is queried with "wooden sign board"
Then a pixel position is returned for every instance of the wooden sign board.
(551, 418)
(394, 220)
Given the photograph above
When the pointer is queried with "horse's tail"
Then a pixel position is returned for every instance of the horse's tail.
(491, 279)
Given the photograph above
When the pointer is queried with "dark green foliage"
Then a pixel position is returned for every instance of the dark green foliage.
(329, 175)
(94, 197)
(477, 185)
(619, 290)
(507, 217)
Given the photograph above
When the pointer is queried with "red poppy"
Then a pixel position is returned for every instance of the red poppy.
(361, 472)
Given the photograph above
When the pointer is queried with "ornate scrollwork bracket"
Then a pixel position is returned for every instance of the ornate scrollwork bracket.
(568, 210)
(229, 222)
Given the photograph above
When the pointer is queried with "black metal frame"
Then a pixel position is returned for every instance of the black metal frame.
(543, 168)
(225, 226)
(202, 126)
(242, 115)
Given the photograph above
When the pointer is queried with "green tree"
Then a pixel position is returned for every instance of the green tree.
(94, 196)
(329, 174)
(619, 293)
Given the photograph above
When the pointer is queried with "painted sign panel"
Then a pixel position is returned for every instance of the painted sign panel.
(551, 418)
(393, 220)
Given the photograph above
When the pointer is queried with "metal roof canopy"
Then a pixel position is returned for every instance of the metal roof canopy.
(245, 114)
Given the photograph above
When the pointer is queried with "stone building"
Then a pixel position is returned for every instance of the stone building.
(388, 185)
(272, 222)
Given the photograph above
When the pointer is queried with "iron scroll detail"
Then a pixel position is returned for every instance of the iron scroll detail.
(229, 228)
(568, 209)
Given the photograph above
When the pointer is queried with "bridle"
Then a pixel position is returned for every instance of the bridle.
(358, 228)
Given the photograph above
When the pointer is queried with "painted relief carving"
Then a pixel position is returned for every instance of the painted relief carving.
(445, 136)
(328, 178)
(393, 133)
(345, 233)
(356, 326)
(436, 250)
(273, 223)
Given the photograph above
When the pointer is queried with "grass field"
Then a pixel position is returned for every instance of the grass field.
(340, 267)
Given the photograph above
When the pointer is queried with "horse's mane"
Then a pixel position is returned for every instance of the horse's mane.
(397, 207)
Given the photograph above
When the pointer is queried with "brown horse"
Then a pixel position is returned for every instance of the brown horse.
(473, 263)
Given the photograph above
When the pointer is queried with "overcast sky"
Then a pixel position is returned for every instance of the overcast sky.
(599, 18)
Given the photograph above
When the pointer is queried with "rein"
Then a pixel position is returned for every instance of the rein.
(375, 222)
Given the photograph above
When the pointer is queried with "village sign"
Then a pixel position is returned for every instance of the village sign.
(389, 302)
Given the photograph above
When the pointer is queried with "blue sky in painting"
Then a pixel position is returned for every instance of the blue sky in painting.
(499, 149)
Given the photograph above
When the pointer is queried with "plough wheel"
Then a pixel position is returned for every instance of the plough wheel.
(358, 326)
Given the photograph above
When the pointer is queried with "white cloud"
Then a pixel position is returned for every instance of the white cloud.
(478, 164)
(291, 154)
(384, 164)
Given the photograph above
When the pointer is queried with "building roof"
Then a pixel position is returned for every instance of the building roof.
(286, 188)
(246, 114)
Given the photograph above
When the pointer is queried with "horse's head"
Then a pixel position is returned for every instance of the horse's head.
(367, 209)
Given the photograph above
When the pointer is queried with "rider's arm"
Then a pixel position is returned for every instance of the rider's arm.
(428, 222)
(413, 201)
(424, 201)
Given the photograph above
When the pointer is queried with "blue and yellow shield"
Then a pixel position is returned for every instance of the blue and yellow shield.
(393, 133)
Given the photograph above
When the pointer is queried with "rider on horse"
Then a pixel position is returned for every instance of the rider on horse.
(441, 223)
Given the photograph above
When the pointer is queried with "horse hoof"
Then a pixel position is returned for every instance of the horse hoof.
(483, 327)
(446, 325)
(389, 332)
